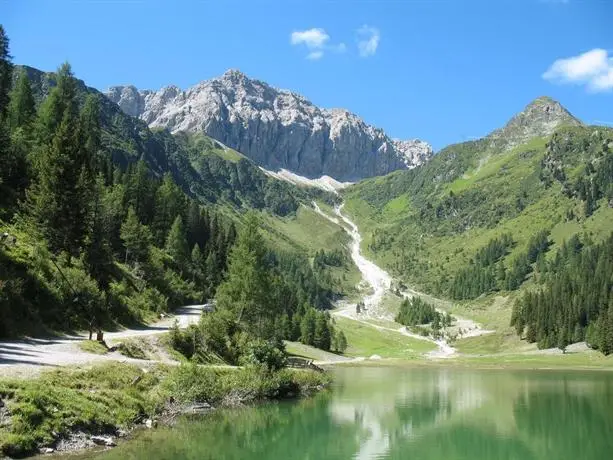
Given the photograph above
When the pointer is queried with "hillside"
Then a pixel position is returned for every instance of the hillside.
(204, 168)
(460, 226)
(277, 129)
(109, 222)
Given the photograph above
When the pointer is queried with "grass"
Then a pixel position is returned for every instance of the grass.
(107, 397)
(137, 348)
(226, 154)
(368, 340)
(93, 346)
(308, 230)
(308, 352)
(488, 343)
(577, 361)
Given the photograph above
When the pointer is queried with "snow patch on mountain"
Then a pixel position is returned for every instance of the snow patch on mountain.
(326, 183)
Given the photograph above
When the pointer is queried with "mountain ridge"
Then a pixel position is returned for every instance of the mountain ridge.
(277, 128)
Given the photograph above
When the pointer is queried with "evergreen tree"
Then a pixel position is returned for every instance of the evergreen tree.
(89, 131)
(341, 342)
(322, 337)
(176, 243)
(246, 289)
(59, 201)
(6, 71)
(21, 116)
(6, 163)
(22, 109)
(169, 204)
(213, 277)
(136, 238)
(285, 327)
(307, 327)
(197, 258)
(98, 253)
(140, 192)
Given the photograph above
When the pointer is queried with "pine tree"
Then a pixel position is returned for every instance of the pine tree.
(59, 202)
(341, 342)
(136, 238)
(212, 275)
(6, 164)
(196, 226)
(322, 337)
(285, 327)
(6, 71)
(307, 327)
(61, 99)
(20, 121)
(140, 192)
(197, 258)
(176, 243)
(246, 289)
(169, 203)
(98, 253)
(22, 109)
(89, 132)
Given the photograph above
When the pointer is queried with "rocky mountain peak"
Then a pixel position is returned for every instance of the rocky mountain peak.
(278, 129)
(538, 119)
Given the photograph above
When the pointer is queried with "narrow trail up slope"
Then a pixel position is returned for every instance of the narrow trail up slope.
(379, 283)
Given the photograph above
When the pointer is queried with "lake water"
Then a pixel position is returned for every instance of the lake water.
(407, 413)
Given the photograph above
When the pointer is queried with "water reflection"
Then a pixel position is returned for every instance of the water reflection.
(391, 413)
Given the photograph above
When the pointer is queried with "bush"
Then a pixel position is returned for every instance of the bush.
(134, 348)
(264, 353)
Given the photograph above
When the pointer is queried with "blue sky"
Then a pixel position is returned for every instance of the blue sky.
(444, 71)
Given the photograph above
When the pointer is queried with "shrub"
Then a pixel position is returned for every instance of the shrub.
(264, 353)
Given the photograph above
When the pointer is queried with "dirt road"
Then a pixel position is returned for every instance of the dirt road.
(30, 355)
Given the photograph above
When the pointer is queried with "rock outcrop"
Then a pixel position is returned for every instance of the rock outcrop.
(540, 118)
(277, 129)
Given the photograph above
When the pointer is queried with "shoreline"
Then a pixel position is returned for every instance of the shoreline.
(76, 409)
(454, 363)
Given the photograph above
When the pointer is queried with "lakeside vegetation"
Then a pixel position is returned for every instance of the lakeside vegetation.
(106, 223)
(106, 398)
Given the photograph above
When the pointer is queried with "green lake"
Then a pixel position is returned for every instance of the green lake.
(406, 413)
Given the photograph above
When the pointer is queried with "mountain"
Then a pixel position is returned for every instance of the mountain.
(483, 222)
(204, 168)
(540, 118)
(277, 129)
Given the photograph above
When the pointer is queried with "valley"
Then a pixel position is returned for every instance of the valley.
(205, 251)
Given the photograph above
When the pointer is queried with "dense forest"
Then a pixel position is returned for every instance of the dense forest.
(487, 272)
(90, 240)
(574, 298)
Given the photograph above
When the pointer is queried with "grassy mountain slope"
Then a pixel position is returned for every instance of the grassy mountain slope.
(209, 172)
(428, 224)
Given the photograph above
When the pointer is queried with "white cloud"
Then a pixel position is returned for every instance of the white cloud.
(368, 40)
(593, 69)
(314, 55)
(316, 41)
(313, 38)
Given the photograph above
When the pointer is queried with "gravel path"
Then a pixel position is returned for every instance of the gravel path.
(379, 281)
(28, 356)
